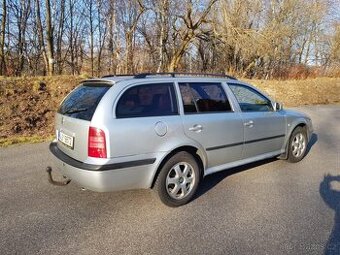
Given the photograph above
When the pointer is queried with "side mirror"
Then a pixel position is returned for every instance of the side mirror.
(278, 106)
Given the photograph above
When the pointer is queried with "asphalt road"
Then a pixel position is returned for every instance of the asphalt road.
(271, 207)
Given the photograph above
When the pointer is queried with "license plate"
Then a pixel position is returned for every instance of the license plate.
(65, 139)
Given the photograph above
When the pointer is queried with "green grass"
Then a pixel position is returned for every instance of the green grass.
(5, 142)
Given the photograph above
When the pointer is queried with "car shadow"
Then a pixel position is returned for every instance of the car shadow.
(212, 180)
(312, 142)
(332, 198)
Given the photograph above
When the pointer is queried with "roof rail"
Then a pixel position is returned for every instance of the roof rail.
(174, 74)
(116, 75)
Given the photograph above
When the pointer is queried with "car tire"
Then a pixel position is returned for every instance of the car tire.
(297, 146)
(178, 179)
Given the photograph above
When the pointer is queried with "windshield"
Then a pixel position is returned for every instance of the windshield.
(82, 102)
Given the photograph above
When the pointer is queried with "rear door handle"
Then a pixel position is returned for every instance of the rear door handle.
(196, 128)
(249, 123)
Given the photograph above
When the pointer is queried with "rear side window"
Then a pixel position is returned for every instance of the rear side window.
(82, 102)
(148, 100)
(204, 97)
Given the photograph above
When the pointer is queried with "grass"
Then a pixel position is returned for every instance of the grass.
(320, 90)
(27, 101)
(5, 142)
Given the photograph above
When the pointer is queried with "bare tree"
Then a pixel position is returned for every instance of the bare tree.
(41, 35)
(163, 16)
(90, 14)
(20, 11)
(129, 14)
(49, 38)
(335, 48)
(253, 38)
(2, 38)
(189, 31)
(59, 37)
(102, 33)
(112, 37)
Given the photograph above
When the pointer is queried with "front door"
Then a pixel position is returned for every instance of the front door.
(209, 120)
(264, 128)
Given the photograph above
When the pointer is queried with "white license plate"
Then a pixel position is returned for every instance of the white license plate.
(65, 139)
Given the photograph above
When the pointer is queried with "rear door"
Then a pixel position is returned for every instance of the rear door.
(264, 128)
(74, 116)
(147, 119)
(209, 119)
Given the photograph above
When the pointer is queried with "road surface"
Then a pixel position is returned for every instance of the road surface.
(271, 207)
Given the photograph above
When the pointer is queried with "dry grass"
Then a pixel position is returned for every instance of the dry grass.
(28, 104)
(302, 92)
(4, 142)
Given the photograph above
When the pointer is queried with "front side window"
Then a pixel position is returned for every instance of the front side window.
(147, 100)
(250, 100)
(204, 97)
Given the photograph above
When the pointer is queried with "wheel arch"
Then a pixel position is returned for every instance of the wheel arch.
(300, 123)
(293, 126)
(194, 151)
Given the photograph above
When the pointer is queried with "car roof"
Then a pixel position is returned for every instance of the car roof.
(158, 76)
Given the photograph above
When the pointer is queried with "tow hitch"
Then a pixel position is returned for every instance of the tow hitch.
(50, 179)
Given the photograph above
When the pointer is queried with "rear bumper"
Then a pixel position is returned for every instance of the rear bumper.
(110, 177)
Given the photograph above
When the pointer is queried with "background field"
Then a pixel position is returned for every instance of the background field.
(28, 104)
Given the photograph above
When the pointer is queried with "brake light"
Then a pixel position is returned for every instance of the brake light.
(96, 143)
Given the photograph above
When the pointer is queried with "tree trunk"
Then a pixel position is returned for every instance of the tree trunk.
(162, 39)
(2, 38)
(113, 38)
(91, 36)
(49, 35)
(70, 41)
(129, 52)
(102, 33)
(41, 36)
(59, 38)
(92, 48)
(176, 58)
(111, 35)
(22, 17)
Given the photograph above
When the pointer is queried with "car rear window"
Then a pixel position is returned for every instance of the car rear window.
(82, 102)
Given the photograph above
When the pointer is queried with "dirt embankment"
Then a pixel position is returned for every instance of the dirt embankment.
(28, 104)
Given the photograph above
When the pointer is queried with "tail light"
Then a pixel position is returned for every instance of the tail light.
(96, 143)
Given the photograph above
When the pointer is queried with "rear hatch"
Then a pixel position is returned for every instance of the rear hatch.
(74, 117)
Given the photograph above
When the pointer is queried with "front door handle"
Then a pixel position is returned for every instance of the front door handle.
(249, 123)
(196, 128)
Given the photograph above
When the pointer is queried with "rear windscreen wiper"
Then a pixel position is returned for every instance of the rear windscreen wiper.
(75, 110)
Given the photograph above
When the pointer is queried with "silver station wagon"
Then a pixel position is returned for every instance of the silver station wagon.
(168, 131)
